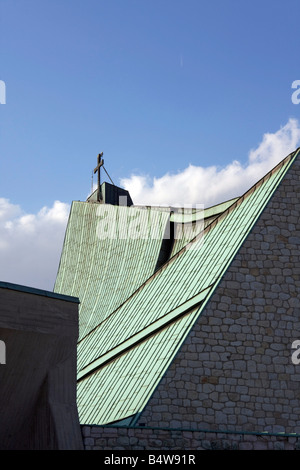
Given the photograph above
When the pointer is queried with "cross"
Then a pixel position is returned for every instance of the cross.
(97, 169)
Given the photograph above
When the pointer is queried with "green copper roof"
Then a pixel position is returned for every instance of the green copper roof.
(123, 357)
(123, 386)
(188, 226)
(100, 264)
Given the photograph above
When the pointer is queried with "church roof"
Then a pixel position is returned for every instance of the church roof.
(100, 263)
(135, 315)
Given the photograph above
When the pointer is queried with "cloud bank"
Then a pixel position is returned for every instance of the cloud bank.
(211, 185)
(31, 244)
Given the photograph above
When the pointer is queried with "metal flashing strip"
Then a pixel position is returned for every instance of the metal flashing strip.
(151, 329)
(200, 430)
(35, 291)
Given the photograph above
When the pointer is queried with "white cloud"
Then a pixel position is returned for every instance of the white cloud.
(211, 185)
(30, 244)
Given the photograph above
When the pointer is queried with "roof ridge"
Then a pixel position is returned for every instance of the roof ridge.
(141, 340)
(201, 234)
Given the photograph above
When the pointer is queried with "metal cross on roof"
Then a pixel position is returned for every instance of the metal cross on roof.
(97, 169)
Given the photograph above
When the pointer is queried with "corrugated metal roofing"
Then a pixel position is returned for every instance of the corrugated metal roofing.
(122, 359)
(124, 385)
(102, 269)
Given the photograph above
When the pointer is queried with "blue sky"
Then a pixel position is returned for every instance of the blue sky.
(158, 86)
(155, 85)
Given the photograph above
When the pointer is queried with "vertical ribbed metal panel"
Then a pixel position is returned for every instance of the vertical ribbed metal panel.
(98, 266)
(122, 387)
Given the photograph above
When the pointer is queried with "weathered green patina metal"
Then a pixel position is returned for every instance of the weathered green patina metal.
(101, 263)
(134, 320)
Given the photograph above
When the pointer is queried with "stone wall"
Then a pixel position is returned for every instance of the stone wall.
(138, 439)
(235, 369)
